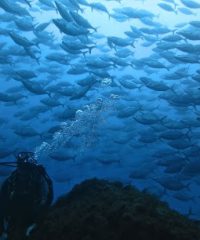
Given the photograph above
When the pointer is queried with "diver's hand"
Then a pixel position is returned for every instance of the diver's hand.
(3, 236)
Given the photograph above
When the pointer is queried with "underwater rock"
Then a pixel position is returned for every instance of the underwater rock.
(102, 210)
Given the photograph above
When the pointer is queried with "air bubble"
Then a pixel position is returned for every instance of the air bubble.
(84, 126)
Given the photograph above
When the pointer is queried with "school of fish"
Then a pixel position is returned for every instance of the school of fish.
(106, 89)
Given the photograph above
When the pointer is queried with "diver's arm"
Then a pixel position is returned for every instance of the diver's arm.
(2, 207)
(49, 182)
(1, 219)
(50, 185)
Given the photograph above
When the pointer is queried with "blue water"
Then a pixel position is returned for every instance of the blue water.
(118, 99)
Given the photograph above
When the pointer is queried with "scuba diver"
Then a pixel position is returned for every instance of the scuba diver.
(24, 196)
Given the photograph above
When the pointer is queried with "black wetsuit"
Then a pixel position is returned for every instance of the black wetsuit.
(24, 197)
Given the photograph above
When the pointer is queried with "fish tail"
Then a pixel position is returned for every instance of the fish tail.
(90, 49)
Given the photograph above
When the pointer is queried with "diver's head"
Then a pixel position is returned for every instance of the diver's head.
(25, 157)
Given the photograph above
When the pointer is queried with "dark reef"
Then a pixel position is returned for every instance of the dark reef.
(102, 210)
